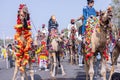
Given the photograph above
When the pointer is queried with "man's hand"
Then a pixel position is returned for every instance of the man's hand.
(80, 18)
(97, 13)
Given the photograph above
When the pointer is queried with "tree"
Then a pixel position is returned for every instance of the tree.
(116, 12)
(1, 42)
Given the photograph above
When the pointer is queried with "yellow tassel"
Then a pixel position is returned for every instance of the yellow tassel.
(39, 49)
(19, 26)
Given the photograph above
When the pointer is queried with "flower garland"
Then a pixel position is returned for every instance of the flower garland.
(24, 40)
(92, 22)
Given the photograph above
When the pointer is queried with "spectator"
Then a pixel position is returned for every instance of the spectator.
(5, 56)
(10, 55)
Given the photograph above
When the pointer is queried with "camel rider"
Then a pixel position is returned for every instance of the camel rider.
(52, 23)
(70, 26)
(88, 11)
(44, 30)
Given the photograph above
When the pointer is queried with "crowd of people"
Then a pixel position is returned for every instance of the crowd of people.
(8, 53)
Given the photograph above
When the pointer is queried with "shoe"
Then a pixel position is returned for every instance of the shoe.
(39, 69)
(80, 64)
(46, 69)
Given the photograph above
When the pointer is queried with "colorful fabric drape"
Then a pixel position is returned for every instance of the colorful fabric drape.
(92, 22)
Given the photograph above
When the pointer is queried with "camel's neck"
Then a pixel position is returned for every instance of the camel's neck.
(22, 38)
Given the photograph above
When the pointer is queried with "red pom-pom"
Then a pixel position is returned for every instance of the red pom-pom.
(43, 43)
(89, 55)
(26, 56)
(21, 6)
(18, 21)
(28, 23)
(33, 60)
(18, 54)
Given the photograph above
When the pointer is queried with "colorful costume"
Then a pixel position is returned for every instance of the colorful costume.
(87, 12)
(43, 56)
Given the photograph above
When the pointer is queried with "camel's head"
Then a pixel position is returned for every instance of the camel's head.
(23, 12)
(106, 16)
(73, 30)
(23, 15)
(105, 19)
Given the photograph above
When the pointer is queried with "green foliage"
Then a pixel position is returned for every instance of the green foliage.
(116, 12)
(1, 42)
(116, 1)
(7, 41)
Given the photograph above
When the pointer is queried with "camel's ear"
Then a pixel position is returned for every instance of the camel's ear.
(100, 13)
(109, 8)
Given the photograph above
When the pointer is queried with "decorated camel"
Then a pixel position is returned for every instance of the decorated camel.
(72, 46)
(54, 51)
(23, 46)
(96, 41)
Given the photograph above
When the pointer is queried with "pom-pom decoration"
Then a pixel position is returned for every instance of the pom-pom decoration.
(92, 23)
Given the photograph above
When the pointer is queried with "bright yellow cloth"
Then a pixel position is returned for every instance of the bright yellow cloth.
(4, 52)
(43, 57)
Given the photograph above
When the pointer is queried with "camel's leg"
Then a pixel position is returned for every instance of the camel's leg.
(115, 55)
(49, 58)
(31, 71)
(32, 74)
(67, 52)
(22, 76)
(63, 72)
(51, 68)
(76, 58)
(54, 64)
(51, 63)
(111, 72)
(59, 64)
(25, 75)
(71, 56)
(86, 69)
(91, 69)
(103, 68)
(15, 72)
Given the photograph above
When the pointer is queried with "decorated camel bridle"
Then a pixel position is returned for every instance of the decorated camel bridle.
(73, 32)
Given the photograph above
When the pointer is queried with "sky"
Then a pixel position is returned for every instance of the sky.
(41, 11)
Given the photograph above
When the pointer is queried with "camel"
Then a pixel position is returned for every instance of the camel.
(73, 47)
(23, 45)
(115, 53)
(98, 43)
(54, 51)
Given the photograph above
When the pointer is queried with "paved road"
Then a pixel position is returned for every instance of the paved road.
(73, 72)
